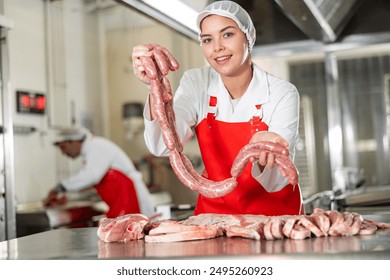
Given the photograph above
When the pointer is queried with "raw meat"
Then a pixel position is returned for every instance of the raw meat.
(204, 226)
(123, 228)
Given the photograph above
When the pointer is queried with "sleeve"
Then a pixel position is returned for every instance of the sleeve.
(97, 159)
(185, 101)
(284, 121)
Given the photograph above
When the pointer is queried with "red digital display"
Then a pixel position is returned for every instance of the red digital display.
(28, 102)
(40, 102)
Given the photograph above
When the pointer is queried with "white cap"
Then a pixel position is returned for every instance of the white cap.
(70, 134)
(233, 11)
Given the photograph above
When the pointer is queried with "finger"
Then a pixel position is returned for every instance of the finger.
(139, 69)
(137, 62)
(283, 172)
(139, 72)
(137, 65)
(270, 160)
(150, 67)
(282, 142)
(139, 51)
(161, 61)
(263, 159)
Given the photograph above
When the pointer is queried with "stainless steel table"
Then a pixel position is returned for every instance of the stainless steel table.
(83, 243)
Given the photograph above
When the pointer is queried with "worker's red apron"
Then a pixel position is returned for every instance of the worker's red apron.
(219, 144)
(117, 190)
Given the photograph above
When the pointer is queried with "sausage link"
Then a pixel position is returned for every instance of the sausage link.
(159, 111)
(150, 67)
(170, 115)
(266, 146)
(212, 188)
(283, 162)
(161, 61)
(218, 189)
(180, 170)
(173, 63)
(208, 190)
(167, 96)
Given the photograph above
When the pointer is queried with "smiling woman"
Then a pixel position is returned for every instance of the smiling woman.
(228, 104)
(226, 49)
(227, 37)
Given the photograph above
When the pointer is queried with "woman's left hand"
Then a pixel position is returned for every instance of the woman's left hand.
(266, 158)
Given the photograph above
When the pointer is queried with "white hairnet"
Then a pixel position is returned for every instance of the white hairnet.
(233, 11)
(70, 134)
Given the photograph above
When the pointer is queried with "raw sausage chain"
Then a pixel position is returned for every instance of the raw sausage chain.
(156, 68)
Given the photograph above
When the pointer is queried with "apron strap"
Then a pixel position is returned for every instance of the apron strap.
(256, 122)
(212, 110)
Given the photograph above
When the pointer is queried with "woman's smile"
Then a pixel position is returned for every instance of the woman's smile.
(224, 45)
(223, 59)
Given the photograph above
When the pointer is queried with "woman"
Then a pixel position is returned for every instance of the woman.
(230, 104)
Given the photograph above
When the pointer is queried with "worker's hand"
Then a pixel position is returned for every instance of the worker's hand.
(55, 199)
(139, 70)
(267, 158)
(152, 60)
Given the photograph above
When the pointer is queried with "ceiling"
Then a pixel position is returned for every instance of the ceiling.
(294, 21)
(280, 21)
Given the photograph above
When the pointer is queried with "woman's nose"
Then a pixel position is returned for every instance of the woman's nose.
(218, 46)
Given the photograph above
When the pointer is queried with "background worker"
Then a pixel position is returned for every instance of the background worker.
(107, 168)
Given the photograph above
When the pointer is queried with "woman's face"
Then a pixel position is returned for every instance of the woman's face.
(224, 45)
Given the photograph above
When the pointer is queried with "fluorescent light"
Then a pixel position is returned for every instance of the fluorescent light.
(177, 10)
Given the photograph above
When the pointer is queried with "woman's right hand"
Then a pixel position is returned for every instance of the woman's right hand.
(138, 68)
(151, 61)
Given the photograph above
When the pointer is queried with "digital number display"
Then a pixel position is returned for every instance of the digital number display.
(28, 102)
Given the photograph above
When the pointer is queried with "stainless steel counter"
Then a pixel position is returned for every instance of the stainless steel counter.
(83, 243)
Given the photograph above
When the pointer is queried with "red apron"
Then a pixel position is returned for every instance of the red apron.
(117, 190)
(219, 144)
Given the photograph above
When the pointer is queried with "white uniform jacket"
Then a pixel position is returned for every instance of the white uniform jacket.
(280, 111)
(99, 155)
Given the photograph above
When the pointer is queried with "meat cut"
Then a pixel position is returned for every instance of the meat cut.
(320, 223)
(123, 228)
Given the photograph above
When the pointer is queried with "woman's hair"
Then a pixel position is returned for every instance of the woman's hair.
(233, 11)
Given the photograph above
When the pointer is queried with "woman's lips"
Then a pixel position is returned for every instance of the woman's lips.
(222, 59)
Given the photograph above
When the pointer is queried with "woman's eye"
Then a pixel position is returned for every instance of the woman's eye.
(206, 40)
(227, 35)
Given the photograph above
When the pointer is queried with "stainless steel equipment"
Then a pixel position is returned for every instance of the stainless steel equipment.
(321, 20)
(368, 199)
(176, 212)
(33, 218)
(364, 200)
